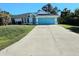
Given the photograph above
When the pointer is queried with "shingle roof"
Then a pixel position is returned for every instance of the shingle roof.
(20, 15)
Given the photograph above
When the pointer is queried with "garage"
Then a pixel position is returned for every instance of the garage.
(45, 18)
(46, 21)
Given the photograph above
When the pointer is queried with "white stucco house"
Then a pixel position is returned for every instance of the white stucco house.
(40, 18)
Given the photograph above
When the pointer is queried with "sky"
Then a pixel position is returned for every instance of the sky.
(20, 8)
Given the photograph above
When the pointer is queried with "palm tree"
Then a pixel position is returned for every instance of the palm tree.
(65, 15)
(55, 10)
(49, 8)
(77, 12)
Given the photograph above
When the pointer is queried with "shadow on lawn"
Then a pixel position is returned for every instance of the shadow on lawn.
(74, 29)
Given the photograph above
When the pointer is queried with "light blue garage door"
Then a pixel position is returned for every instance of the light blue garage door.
(46, 21)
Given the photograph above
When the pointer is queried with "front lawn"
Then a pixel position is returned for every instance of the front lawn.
(13, 33)
(71, 28)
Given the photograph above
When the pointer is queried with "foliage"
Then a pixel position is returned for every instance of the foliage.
(49, 8)
(3, 11)
(69, 17)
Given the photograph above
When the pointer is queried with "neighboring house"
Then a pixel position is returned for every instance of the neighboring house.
(41, 18)
(26, 18)
(19, 19)
(5, 19)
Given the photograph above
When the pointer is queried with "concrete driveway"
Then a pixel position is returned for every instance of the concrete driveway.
(45, 40)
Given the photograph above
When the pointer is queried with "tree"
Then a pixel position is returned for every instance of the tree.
(65, 12)
(76, 12)
(69, 17)
(65, 15)
(5, 16)
(49, 8)
(5, 12)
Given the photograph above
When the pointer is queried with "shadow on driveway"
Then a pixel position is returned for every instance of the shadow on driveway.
(74, 29)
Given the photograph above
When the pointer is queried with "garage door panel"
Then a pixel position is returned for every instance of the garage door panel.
(46, 21)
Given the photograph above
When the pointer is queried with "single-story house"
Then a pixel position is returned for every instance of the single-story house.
(41, 18)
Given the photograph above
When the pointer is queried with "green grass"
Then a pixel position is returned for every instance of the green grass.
(13, 33)
(66, 26)
(72, 28)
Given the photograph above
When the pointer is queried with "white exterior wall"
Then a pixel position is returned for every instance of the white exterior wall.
(36, 20)
(25, 20)
(56, 22)
(18, 19)
(30, 19)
